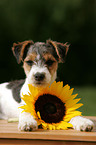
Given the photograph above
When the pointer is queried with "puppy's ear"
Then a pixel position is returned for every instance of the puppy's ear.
(60, 48)
(20, 49)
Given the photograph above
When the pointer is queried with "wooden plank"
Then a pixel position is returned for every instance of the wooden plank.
(41, 142)
(10, 131)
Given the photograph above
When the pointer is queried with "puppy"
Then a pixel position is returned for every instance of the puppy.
(40, 63)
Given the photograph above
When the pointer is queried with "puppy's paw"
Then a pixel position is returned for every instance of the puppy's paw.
(82, 124)
(28, 124)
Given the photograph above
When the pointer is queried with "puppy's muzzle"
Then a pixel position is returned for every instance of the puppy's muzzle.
(39, 76)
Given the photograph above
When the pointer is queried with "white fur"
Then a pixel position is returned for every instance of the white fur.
(81, 123)
(8, 106)
(27, 122)
(34, 70)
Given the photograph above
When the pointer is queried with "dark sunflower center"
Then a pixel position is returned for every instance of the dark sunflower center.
(51, 108)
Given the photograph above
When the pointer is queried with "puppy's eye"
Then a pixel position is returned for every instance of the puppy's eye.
(29, 62)
(49, 62)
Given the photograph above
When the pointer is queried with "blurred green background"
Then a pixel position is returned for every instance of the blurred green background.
(72, 21)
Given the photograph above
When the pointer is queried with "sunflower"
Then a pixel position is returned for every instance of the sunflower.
(52, 106)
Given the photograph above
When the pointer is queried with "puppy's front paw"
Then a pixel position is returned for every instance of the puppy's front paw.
(28, 124)
(82, 124)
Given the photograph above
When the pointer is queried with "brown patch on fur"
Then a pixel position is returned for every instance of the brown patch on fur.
(54, 66)
(66, 45)
(56, 45)
(48, 56)
(30, 57)
(26, 68)
(22, 46)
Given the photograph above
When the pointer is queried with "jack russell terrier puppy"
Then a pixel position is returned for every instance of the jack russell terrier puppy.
(40, 63)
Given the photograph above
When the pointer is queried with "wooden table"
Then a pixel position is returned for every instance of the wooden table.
(9, 135)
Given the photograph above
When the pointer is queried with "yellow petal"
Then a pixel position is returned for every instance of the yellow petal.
(50, 126)
(76, 106)
(38, 113)
(64, 92)
(53, 127)
(71, 115)
(71, 102)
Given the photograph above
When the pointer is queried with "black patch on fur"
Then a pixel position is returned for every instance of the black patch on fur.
(16, 86)
(43, 48)
(53, 52)
(17, 51)
(26, 50)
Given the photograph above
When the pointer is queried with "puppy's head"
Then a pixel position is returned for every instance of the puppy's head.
(40, 60)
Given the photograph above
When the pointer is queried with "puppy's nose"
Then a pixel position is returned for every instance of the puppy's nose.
(39, 76)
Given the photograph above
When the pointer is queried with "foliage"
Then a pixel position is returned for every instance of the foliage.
(88, 98)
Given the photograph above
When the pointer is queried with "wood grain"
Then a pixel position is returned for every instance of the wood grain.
(9, 133)
(42, 142)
